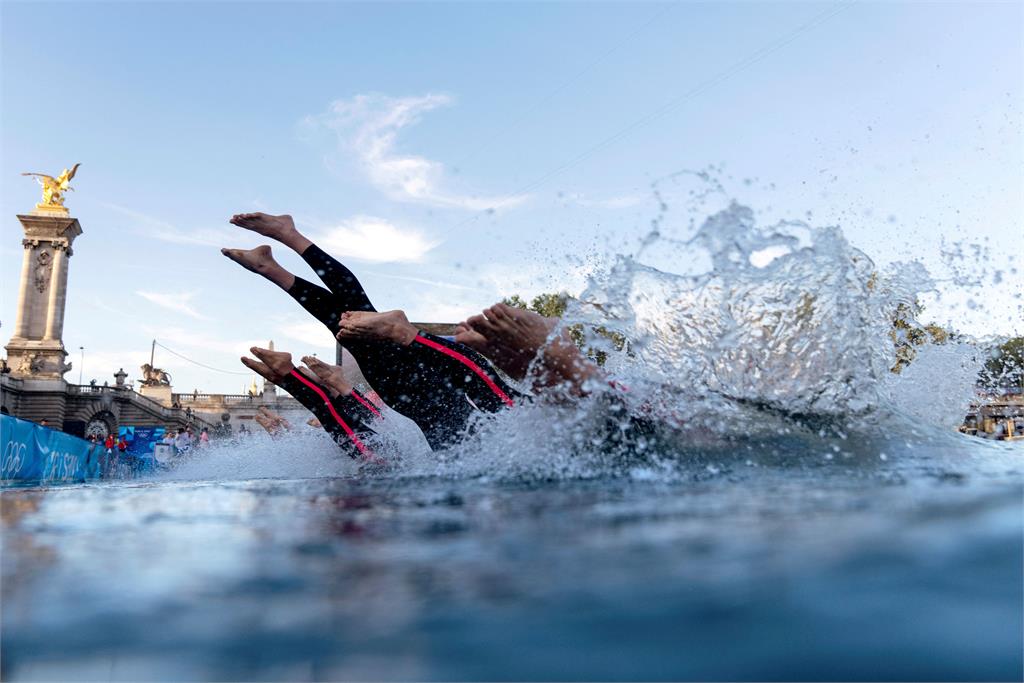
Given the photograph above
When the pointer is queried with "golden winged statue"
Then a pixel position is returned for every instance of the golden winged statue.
(54, 188)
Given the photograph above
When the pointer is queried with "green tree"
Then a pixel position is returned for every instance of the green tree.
(907, 334)
(1005, 366)
(554, 306)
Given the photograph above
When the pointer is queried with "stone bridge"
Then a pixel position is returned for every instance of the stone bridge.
(85, 409)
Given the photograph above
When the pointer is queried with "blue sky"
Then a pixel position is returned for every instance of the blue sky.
(389, 129)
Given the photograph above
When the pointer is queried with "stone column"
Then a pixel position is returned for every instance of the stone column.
(21, 323)
(36, 350)
(269, 390)
(58, 283)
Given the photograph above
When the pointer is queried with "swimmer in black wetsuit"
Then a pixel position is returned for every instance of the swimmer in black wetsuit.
(437, 383)
(342, 411)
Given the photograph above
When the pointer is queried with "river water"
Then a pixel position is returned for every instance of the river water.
(804, 514)
(753, 567)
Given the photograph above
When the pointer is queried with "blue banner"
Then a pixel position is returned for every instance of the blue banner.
(34, 453)
(141, 439)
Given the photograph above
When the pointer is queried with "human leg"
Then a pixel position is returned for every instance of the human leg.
(339, 279)
(524, 336)
(458, 367)
(261, 261)
(281, 228)
(417, 382)
(392, 326)
(344, 418)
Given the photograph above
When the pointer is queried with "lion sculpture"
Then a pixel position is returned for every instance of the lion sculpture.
(154, 376)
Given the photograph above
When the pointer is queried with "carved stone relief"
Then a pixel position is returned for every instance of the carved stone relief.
(44, 262)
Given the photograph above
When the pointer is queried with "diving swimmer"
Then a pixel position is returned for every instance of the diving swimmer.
(436, 382)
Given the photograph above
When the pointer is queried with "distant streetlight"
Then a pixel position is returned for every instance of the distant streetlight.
(81, 365)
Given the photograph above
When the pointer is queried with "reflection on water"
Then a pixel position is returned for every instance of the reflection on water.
(905, 568)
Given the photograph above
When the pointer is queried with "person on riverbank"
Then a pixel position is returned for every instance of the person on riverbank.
(182, 442)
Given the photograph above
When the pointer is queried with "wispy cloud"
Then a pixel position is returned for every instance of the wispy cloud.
(101, 365)
(180, 339)
(309, 332)
(179, 302)
(422, 281)
(624, 201)
(375, 239)
(151, 226)
(369, 124)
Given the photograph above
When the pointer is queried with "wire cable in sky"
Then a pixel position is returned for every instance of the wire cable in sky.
(699, 89)
(526, 113)
(195, 362)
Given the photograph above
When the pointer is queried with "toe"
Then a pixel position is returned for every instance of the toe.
(503, 309)
(481, 324)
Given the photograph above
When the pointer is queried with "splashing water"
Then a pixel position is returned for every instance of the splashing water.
(792, 490)
(741, 331)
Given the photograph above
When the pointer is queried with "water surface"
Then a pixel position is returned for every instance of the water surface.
(750, 567)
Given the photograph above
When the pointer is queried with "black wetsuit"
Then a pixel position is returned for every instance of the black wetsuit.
(348, 419)
(435, 382)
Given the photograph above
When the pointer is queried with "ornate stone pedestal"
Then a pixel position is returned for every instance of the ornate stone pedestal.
(161, 393)
(36, 350)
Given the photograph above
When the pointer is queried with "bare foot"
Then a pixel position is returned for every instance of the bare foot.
(261, 261)
(269, 424)
(275, 227)
(464, 334)
(331, 375)
(477, 333)
(260, 369)
(513, 336)
(280, 228)
(279, 363)
(387, 326)
(520, 336)
(258, 260)
(272, 418)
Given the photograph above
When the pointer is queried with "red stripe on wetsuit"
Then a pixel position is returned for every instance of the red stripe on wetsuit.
(367, 455)
(469, 364)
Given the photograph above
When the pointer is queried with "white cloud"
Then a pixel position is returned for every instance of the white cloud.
(101, 365)
(375, 239)
(310, 333)
(177, 337)
(151, 226)
(369, 125)
(430, 308)
(174, 301)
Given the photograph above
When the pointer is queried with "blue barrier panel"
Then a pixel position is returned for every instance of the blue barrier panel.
(34, 453)
(141, 440)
